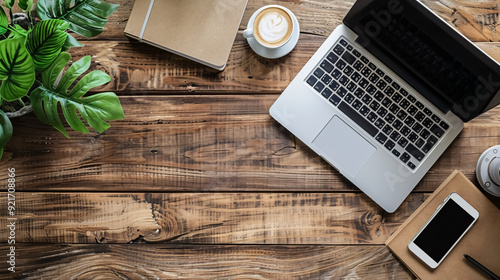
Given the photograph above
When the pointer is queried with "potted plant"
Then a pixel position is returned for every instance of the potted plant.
(32, 61)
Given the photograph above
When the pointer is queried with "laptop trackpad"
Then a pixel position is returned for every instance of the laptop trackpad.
(339, 143)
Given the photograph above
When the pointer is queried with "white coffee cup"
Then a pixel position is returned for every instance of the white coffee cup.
(272, 26)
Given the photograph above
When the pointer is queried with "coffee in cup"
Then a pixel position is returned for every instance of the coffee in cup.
(272, 27)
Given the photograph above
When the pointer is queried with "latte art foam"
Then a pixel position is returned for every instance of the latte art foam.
(273, 27)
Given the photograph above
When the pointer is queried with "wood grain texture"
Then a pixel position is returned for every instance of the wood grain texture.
(222, 262)
(142, 69)
(200, 143)
(203, 218)
(475, 19)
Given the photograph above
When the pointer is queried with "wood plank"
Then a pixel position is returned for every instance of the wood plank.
(202, 218)
(224, 262)
(141, 69)
(199, 143)
(475, 19)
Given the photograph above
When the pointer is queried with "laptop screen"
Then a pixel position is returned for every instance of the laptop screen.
(428, 54)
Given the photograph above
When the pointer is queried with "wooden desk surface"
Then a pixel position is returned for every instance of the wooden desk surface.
(199, 182)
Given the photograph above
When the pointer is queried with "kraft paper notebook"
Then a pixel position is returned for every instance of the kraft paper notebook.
(201, 30)
(482, 242)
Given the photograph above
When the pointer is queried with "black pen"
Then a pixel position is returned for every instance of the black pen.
(482, 267)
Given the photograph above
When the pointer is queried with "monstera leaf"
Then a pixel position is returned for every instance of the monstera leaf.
(5, 131)
(95, 109)
(9, 3)
(86, 17)
(25, 5)
(45, 41)
(17, 72)
(4, 22)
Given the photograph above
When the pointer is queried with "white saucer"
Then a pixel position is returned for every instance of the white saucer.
(278, 52)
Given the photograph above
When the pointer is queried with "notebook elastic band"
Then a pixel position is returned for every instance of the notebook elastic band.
(151, 3)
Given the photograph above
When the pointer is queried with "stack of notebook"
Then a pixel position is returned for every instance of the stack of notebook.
(201, 30)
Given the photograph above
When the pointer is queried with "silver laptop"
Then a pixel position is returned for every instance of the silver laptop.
(386, 94)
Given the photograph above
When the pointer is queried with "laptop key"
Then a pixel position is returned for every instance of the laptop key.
(444, 125)
(351, 86)
(415, 152)
(327, 66)
(371, 89)
(319, 86)
(334, 85)
(318, 72)
(403, 142)
(380, 123)
(356, 77)
(359, 93)
(387, 130)
(338, 49)
(411, 165)
(379, 96)
(311, 80)
(349, 98)
(436, 118)
(341, 64)
(405, 157)
(389, 145)
(394, 108)
(396, 85)
(356, 53)
(335, 99)
(366, 72)
(358, 65)
(364, 59)
(326, 93)
(363, 83)
(364, 110)
(420, 116)
(405, 130)
(417, 127)
(427, 111)
(419, 143)
(348, 70)
(437, 131)
(427, 123)
(326, 79)
(336, 74)
(396, 153)
(382, 112)
(344, 80)
(390, 118)
(357, 104)
(386, 102)
(373, 78)
(397, 124)
(425, 134)
(381, 138)
(372, 66)
(358, 119)
(374, 105)
(349, 58)
(372, 117)
(332, 57)
(342, 92)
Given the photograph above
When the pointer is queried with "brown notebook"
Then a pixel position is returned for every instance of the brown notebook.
(482, 241)
(200, 30)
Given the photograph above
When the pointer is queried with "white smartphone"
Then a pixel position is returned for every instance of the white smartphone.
(452, 219)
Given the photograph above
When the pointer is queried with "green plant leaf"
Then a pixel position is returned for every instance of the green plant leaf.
(5, 131)
(17, 71)
(9, 3)
(18, 32)
(86, 17)
(25, 5)
(95, 109)
(71, 42)
(45, 41)
(4, 22)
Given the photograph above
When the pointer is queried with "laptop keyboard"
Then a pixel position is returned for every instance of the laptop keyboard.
(390, 114)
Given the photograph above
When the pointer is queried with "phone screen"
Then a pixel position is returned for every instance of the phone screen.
(444, 230)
